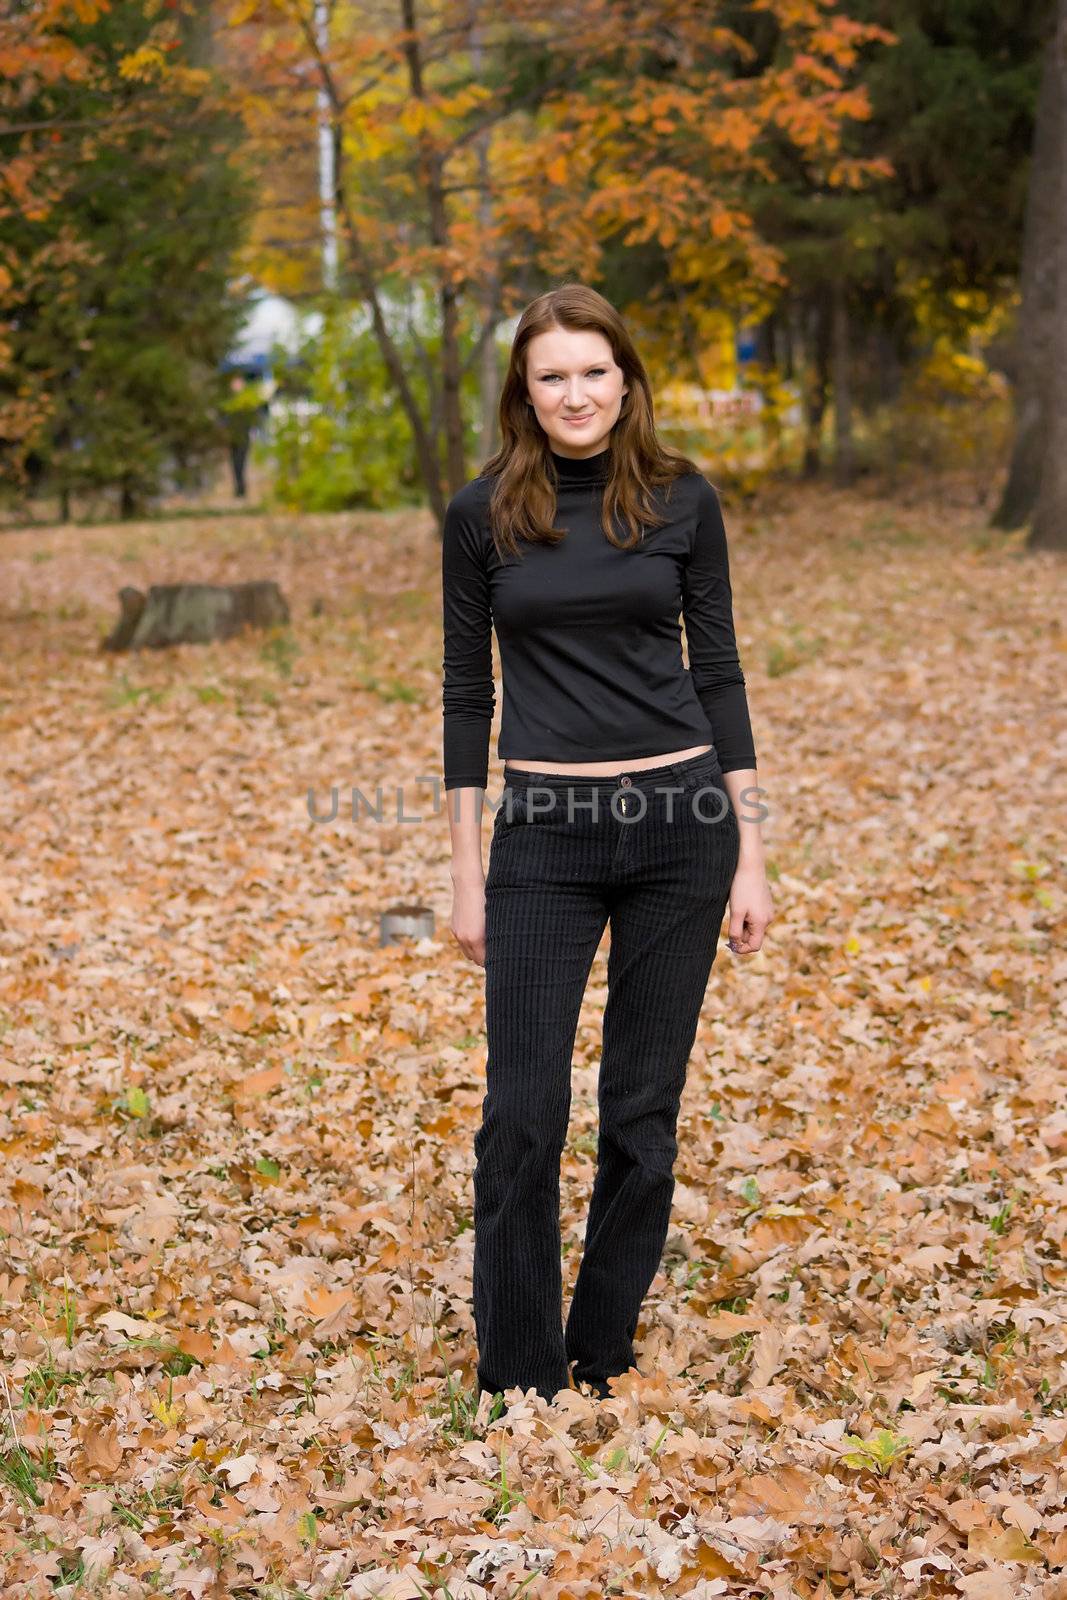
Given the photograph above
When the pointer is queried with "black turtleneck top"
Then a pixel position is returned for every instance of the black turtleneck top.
(589, 635)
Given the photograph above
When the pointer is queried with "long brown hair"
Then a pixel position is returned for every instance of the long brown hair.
(522, 504)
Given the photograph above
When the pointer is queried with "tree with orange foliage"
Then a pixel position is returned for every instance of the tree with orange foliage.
(481, 150)
(34, 53)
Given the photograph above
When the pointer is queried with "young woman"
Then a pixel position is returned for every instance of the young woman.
(581, 541)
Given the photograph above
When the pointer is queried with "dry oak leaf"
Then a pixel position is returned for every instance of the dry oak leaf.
(996, 1583)
(151, 1225)
(101, 1448)
(98, 1554)
(197, 1343)
(727, 1324)
(767, 1357)
(323, 1302)
(1002, 1544)
(256, 1083)
(239, 1469)
(130, 1327)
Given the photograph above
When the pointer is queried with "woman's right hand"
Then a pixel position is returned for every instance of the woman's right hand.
(468, 875)
(468, 917)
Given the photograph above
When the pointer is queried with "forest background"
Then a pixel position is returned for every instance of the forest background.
(861, 203)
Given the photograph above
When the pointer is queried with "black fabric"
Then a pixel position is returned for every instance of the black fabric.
(653, 858)
(589, 635)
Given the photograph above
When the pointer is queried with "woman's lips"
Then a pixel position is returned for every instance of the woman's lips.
(588, 418)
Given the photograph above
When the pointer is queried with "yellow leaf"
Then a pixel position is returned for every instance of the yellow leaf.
(168, 1414)
(143, 63)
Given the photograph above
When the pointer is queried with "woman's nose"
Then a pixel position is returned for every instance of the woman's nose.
(574, 395)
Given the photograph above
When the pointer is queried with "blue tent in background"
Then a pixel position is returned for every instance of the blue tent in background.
(272, 321)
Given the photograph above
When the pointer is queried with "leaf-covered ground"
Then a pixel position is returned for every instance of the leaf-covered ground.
(235, 1195)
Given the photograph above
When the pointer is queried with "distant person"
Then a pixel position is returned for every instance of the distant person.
(243, 409)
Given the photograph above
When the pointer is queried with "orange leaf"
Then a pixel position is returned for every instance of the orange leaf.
(196, 1343)
(102, 1448)
(240, 1017)
(261, 1082)
(322, 1302)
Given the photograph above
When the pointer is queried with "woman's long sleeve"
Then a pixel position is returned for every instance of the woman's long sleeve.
(707, 610)
(468, 694)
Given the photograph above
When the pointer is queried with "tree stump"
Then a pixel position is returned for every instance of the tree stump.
(194, 613)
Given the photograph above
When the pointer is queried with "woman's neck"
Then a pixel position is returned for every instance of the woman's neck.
(582, 469)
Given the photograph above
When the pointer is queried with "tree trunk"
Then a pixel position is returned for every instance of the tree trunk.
(887, 366)
(888, 374)
(1034, 331)
(788, 353)
(363, 276)
(489, 385)
(844, 447)
(432, 175)
(817, 389)
(1049, 530)
(767, 342)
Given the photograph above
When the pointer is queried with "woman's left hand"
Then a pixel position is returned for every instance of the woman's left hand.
(751, 909)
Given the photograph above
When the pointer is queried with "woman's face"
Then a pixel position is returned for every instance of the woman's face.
(572, 374)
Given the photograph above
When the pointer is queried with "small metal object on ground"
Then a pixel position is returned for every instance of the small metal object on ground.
(402, 922)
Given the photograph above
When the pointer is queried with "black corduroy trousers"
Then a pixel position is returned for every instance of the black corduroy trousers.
(652, 853)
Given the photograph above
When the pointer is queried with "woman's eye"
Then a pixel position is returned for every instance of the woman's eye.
(594, 372)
